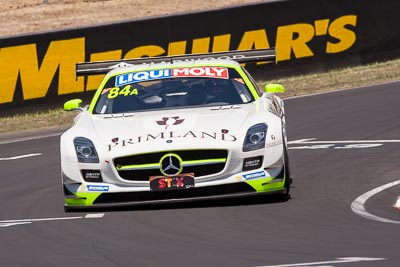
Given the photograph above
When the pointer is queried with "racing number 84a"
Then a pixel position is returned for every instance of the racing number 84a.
(126, 91)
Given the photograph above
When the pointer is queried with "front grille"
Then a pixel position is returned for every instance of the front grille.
(206, 162)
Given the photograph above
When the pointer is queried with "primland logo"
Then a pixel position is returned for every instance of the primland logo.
(168, 121)
(223, 136)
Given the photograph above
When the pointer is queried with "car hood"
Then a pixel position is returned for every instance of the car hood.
(215, 127)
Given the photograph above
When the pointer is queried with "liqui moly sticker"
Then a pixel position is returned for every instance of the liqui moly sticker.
(148, 75)
(209, 72)
(140, 76)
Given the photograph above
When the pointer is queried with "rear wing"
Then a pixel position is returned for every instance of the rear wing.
(246, 56)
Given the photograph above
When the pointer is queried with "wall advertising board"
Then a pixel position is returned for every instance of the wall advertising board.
(308, 35)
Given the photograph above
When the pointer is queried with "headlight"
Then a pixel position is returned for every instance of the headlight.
(85, 150)
(255, 137)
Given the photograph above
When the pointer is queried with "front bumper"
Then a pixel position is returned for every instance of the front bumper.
(168, 201)
(80, 196)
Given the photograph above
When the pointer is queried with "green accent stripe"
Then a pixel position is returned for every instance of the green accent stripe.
(75, 201)
(157, 165)
(138, 166)
(262, 185)
(203, 162)
(83, 199)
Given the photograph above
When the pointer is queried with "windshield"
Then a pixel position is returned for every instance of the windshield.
(172, 88)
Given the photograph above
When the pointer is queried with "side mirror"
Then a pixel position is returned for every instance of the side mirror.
(274, 88)
(73, 104)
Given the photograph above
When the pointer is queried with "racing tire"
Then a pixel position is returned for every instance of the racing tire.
(68, 209)
(288, 179)
(286, 166)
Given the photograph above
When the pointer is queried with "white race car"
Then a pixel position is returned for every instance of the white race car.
(175, 129)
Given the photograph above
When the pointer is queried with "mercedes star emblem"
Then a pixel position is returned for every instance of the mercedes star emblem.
(170, 165)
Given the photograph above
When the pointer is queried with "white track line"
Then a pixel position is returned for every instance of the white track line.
(7, 223)
(28, 138)
(312, 141)
(324, 263)
(358, 205)
(22, 156)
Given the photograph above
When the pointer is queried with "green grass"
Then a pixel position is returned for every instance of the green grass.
(54, 118)
(341, 78)
(297, 85)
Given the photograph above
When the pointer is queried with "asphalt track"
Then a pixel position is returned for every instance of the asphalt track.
(343, 145)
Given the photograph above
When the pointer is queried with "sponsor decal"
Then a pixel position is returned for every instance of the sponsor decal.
(169, 136)
(254, 175)
(92, 175)
(274, 143)
(148, 75)
(252, 163)
(101, 188)
(105, 90)
(161, 183)
(239, 178)
(239, 80)
(167, 121)
(211, 72)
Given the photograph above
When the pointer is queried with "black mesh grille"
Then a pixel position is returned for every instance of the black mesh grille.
(186, 155)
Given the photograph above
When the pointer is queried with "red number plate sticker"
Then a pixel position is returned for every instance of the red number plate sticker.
(162, 183)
